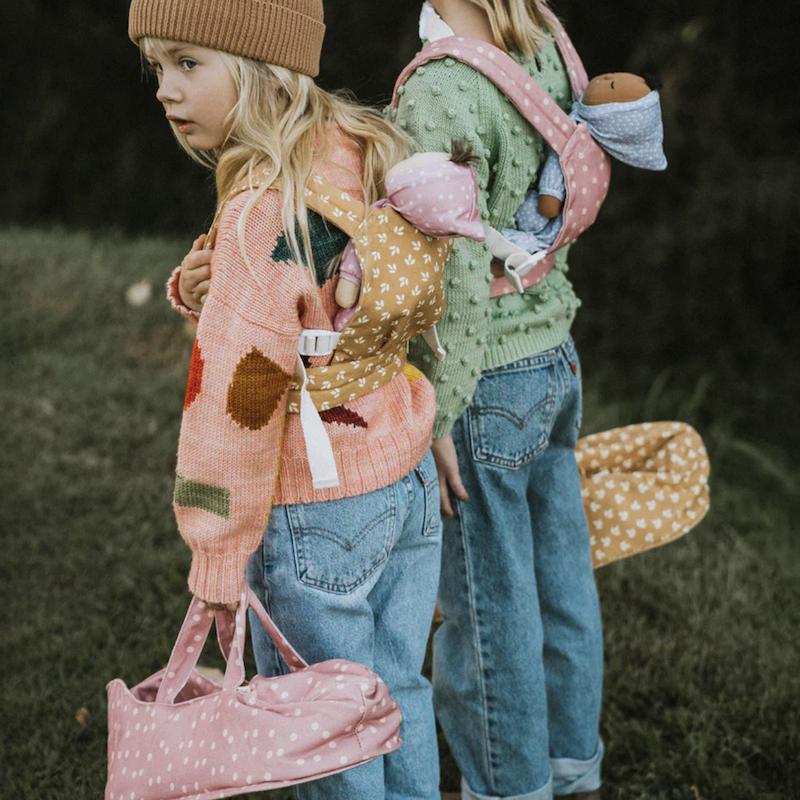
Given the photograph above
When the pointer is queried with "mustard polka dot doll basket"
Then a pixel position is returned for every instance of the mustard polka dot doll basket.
(643, 486)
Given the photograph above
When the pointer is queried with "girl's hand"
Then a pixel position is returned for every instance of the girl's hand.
(195, 275)
(444, 454)
(220, 606)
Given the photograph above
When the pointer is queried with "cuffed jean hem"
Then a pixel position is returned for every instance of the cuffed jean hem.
(545, 793)
(571, 776)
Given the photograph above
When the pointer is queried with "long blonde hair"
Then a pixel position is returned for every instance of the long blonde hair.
(518, 25)
(278, 128)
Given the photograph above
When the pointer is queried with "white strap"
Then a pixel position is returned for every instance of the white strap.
(516, 260)
(318, 446)
(317, 343)
(517, 265)
(431, 336)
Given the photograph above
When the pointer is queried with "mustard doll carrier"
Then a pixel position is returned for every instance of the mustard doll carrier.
(402, 296)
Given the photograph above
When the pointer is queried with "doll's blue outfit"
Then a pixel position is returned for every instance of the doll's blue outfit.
(630, 132)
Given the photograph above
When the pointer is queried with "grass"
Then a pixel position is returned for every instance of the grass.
(702, 683)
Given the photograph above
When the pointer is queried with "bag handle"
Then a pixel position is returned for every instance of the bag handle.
(225, 628)
(336, 205)
(186, 650)
(234, 672)
(194, 632)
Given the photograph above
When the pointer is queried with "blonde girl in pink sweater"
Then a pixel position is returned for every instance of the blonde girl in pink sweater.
(347, 565)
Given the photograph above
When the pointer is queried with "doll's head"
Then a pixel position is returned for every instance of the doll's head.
(438, 193)
(623, 114)
(618, 87)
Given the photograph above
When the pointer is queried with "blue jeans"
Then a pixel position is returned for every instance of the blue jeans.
(518, 660)
(356, 578)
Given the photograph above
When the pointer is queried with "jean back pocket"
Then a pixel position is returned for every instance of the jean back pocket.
(512, 411)
(339, 544)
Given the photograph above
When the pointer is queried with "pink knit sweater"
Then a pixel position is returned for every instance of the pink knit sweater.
(239, 450)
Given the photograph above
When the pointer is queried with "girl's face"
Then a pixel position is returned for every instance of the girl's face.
(196, 89)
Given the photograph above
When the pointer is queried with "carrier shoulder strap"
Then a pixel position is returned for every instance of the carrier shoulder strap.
(576, 72)
(336, 205)
(531, 100)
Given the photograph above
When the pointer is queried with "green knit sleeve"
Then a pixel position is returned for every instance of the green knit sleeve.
(440, 102)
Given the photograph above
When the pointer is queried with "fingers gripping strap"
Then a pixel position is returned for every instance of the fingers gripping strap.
(337, 206)
(318, 445)
(186, 651)
(193, 635)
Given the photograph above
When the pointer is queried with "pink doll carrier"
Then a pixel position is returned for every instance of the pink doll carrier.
(180, 736)
(586, 166)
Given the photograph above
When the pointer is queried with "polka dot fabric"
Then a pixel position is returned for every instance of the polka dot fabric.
(631, 132)
(643, 486)
(440, 200)
(586, 166)
(179, 735)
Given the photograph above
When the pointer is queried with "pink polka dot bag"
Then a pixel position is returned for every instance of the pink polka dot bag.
(181, 735)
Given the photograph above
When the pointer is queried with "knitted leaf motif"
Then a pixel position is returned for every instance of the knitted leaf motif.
(256, 389)
(201, 495)
(195, 381)
(343, 416)
(327, 242)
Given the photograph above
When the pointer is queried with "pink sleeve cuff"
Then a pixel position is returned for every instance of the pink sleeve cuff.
(217, 579)
(174, 296)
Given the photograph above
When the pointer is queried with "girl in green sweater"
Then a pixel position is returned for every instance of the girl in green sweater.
(518, 659)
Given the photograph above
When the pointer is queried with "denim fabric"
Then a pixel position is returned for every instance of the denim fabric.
(356, 578)
(518, 660)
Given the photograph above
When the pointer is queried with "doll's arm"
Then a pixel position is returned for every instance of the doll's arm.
(551, 186)
(347, 289)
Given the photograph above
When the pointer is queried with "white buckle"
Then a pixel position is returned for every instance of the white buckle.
(518, 264)
(317, 343)
(516, 260)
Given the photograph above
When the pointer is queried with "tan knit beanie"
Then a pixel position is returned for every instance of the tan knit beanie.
(286, 33)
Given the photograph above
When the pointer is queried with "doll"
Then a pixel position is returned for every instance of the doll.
(623, 114)
(435, 192)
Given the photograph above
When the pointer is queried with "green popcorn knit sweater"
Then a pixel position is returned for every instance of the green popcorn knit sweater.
(447, 100)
